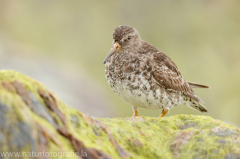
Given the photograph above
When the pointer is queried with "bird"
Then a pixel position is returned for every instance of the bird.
(145, 77)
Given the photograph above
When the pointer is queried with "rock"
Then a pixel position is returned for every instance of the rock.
(35, 123)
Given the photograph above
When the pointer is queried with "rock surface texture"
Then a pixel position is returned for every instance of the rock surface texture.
(35, 123)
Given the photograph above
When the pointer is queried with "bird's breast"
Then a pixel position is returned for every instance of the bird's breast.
(130, 77)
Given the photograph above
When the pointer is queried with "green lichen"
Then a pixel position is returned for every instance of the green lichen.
(180, 136)
(159, 135)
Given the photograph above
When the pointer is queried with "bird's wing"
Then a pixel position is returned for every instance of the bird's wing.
(166, 74)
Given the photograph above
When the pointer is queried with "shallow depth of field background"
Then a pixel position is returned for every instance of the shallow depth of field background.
(63, 44)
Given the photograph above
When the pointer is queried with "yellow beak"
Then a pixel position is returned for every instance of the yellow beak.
(115, 49)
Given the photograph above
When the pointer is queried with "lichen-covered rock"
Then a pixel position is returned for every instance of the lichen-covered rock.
(35, 123)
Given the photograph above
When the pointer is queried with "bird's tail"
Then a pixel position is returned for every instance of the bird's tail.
(197, 106)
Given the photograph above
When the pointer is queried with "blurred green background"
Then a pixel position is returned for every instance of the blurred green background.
(63, 44)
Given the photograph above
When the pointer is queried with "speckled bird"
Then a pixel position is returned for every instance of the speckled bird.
(145, 77)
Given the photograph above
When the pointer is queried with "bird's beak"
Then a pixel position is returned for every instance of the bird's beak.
(115, 49)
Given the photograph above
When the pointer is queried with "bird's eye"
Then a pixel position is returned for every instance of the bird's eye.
(129, 38)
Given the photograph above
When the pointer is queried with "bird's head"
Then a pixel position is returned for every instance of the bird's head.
(124, 38)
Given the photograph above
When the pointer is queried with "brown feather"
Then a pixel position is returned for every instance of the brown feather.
(196, 85)
(167, 74)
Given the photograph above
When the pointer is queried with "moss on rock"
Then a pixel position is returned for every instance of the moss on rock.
(32, 119)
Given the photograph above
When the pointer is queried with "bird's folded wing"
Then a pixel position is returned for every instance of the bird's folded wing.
(166, 74)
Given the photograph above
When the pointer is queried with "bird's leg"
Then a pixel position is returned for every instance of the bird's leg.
(135, 112)
(164, 112)
(135, 115)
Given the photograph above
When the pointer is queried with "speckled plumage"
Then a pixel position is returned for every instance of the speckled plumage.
(145, 77)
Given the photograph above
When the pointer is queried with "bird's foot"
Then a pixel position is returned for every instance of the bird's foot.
(133, 118)
(135, 115)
